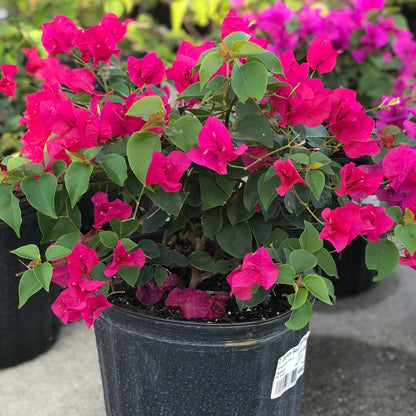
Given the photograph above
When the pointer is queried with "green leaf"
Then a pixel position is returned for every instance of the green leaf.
(260, 228)
(59, 167)
(300, 298)
(395, 213)
(145, 276)
(129, 274)
(16, 162)
(271, 62)
(240, 233)
(302, 260)
(326, 262)
(91, 152)
(56, 252)
(124, 228)
(222, 267)
(382, 256)
(237, 212)
(251, 194)
(300, 317)
(202, 260)
(249, 81)
(309, 239)
(69, 240)
(300, 157)
(43, 272)
(28, 286)
(244, 48)
(160, 275)
(145, 107)
(259, 295)
(315, 180)
(140, 152)
(115, 167)
(214, 193)
(170, 202)
(29, 251)
(108, 239)
(235, 36)
(255, 127)
(128, 244)
(212, 221)
(189, 128)
(209, 66)
(77, 179)
(267, 189)
(406, 234)
(40, 193)
(150, 248)
(286, 275)
(317, 286)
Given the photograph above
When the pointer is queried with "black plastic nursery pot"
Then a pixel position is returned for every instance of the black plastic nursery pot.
(158, 367)
(30, 331)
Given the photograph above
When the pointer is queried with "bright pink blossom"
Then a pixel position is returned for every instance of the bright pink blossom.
(342, 225)
(81, 261)
(7, 82)
(398, 163)
(167, 170)
(375, 221)
(257, 269)
(215, 147)
(354, 179)
(321, 55)
(288, 175)
(95, 304)
(408, 259)
(121, 258)
(59, 36)
(147, 70)
(105, 211)
(193, 303)
(233, 22)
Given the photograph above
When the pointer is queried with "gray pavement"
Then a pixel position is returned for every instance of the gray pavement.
(361, 360)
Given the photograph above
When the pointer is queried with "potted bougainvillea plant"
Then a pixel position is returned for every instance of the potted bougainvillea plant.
(216, 203)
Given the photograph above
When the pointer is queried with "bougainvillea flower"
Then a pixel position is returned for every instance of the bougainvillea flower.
(375, 221)
(250, 156)
(257, 269)
(321, 55)
(121, 258)
(354, 179)
(287, 174)
(7, 83)
(95, 304)
(398, 164)
(233, 22)
(215, 147)
(408, 260)
(193, 303)
(81, 261)
(105, 211)
(80, 80)
(151, 293)
(342, 225)
(167, 170)
(148, 70)
(68, 307)
(59, 36)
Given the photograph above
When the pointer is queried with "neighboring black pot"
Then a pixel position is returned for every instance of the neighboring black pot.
(153, 367)
(354, 277)
(30, 331)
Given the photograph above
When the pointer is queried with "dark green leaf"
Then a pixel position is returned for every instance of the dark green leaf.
(77, 179)
(124, 228)
(40, 193)
(253, 127)
(260, 228)
(212, 192)
(382, 256)
(209, 66)
(56, 252)
(115, 167)
(326, 262)
(300, 317)
(317, 286)
(202, 260)
(302, 260)
(108, 239)
(29, 251)
(222, 267)
(316, 182)
(43, 272)
(129, 274)
(259, 296)
(140, 152)
(160, 276)
(189, 128)
(150, 248)
(212, 221)
(229, 235)
(69, 240)
(286, 275)
(28, 286)
(309, 238)
(170, 202)
(267, 190)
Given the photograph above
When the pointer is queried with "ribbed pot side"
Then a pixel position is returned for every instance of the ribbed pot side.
(157, 367)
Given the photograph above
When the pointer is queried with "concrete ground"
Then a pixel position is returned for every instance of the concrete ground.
(361, 360)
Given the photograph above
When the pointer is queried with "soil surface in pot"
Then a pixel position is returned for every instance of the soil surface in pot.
(275, 304)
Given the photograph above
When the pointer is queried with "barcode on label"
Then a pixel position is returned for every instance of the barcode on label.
(289, 368)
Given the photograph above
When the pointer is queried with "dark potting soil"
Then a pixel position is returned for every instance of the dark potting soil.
(275, 304)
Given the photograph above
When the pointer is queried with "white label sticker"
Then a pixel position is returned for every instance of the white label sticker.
(289, 368)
